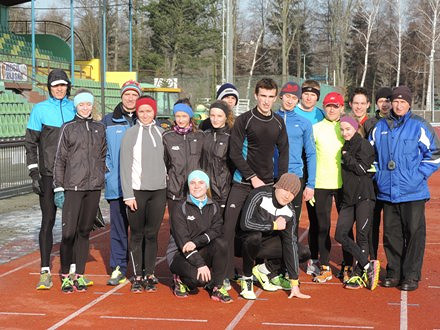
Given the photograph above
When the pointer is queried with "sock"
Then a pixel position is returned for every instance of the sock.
(246, 278)
(367, 266)
(263, 269)
(72, 269)
(45, 269)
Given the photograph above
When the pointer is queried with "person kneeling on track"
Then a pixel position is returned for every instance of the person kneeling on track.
(267, 218)
(196, 252)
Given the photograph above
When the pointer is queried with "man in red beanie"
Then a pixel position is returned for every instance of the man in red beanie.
(117, 123)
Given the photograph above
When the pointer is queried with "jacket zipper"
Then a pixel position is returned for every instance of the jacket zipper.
(61, 111)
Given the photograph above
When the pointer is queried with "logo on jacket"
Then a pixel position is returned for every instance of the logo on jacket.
(118, 131)
(190, 217)
(383, 133)
(175, 148)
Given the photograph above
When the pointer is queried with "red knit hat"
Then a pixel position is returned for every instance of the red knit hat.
(131, 85)
(147, 100)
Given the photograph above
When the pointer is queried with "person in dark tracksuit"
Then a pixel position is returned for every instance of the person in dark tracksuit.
(78, 179)
(196, 251)
(117, 123)
(267, 226)
(183, 150)
(254, 137)
(143, 179)
(357, 156)
(215, 159)
(41, 140)
(408, 153)
(383, 105)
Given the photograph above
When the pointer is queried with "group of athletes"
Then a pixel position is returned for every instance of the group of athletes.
(234, 187)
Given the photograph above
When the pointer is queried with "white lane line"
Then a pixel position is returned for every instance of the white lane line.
(93, 302)
(242, 312)
(303, 235)
(87, 275)
(434, 286)
(37, 260)
(318, 325)
(115, 294)
(152, 319)
(22, 314)
(325, 283)
(403, 310)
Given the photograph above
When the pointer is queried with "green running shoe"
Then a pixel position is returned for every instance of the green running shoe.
(221, 295)
(79, 284)
(354, 283)
(281, 283)
(247, 289)
(45, 282)
(116, 278)
(180, 290)
(264, 280)
(67, 285)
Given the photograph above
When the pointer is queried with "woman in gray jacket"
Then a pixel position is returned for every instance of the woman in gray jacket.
(143, 179)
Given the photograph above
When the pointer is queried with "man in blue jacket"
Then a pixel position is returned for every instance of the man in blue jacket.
(117, 123)
(408, 153)
(41, 140)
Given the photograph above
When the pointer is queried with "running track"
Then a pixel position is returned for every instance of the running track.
(331, 306)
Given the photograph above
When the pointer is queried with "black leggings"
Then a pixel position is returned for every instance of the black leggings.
(320, 221)
(237, 198)
(79, 213)
(374, 229)
(144, 225)
(214, 256)
(361, 213)
(48, 212)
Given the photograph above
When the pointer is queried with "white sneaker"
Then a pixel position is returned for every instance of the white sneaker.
(247, 289)
(312, 267)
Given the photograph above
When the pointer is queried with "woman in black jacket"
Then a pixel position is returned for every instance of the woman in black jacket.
(357, 204)
(183, 149)
(215, 160)
(78, 179)
(196, 251)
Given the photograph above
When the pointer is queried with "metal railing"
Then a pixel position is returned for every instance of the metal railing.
(14, 177)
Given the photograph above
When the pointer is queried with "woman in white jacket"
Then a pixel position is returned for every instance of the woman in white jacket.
(143, 179)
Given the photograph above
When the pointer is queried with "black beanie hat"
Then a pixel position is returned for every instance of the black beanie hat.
(222, 105)
(226, 90)
(402, 92)
(384, 92)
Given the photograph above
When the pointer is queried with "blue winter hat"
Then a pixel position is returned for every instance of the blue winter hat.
(198, 174)
(82, 97)
(184, 108)
(226, 90)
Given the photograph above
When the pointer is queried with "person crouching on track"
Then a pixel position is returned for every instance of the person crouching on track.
(196, 251)
(357, 204)
(268, 232)
(78, 179)
(143, 179)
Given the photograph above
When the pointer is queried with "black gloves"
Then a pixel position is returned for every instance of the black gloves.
(36, 181)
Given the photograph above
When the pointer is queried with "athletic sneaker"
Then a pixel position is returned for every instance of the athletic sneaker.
(154, 279)
(372, 274)
(79, 284)
(45, 282)
(86, 280)
(264, 280)
(281, 283)
(149, 283)
(354, 283)
(67, 285)
(227, 284)
(180, 290)
(136, 286)
(117, 277)
(247, 289)
(345, 273)
(221, 295)
(312, 267)
(324, 275)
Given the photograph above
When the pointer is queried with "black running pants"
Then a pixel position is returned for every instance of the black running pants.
(48, 212)
(144, 225)
(79, 213)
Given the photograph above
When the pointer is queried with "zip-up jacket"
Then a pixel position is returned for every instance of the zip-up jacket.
(80, 156)
(357, 158)
(371, 122)
(115, 126)
(314, 116)
(216, 162)
(142, 163)
(300, 135)
(252, 146)
(259, 214)
(414, 147)
(329, 141)
(200, 226)
(182, 156)
(43, 131)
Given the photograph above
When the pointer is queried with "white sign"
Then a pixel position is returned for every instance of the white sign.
(13, 71)
(165, 82)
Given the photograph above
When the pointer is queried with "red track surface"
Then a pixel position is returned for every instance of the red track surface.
(331, 306)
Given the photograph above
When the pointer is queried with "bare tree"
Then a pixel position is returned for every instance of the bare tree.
(368, 12)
